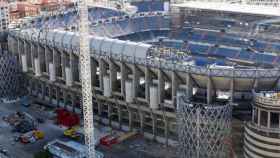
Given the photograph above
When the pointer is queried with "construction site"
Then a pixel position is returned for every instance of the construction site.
(143, 79)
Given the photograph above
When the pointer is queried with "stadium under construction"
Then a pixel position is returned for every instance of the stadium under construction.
(164, 65)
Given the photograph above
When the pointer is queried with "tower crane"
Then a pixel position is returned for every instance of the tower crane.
(85, 69)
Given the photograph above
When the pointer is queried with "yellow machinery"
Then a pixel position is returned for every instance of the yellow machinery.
(72, 133)
(32, 136)
(38, 134)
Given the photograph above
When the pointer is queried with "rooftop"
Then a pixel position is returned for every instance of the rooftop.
(231, 7)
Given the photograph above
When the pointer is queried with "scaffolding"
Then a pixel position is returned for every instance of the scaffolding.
(203, 129)
(9, 77)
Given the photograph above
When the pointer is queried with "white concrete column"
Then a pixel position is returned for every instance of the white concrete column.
(123, 78)
(19, 46)
(107, 90)
(68, 76)
(24, 63)
(154, 95)
(25, 50)
(54, 62)
(101, 73)
(71, 64)
(135, 79)
(160, 86)
(32, 49)
(52, 72)
(148, 81)
(46, 58)
(37, 67)
(113, 75)
(141, 116)
(174, 82)
(63, 64)
(128, 91)
(39, 55)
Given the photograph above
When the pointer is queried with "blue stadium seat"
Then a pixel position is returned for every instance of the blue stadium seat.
(197, 48)
(245, 55)
(146, 6)
(263, 58)
(226, 52)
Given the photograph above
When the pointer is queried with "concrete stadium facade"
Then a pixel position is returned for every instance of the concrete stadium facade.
(49, 60)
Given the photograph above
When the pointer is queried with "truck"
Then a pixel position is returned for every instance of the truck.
(69, 149)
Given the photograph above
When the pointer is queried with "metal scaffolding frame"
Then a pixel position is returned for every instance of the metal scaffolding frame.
(203, 129)
(9, 76)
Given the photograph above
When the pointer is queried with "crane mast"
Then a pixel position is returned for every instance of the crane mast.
(85, 69)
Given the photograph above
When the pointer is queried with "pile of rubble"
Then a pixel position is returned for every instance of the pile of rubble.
(21, 122)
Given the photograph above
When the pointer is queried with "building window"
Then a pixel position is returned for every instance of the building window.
(274, 120)
(264, 116)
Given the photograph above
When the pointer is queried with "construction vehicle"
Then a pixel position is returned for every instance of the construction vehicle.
(32, 136)
(114, 138)
(73, 133)
(109, 140)
(69, 149)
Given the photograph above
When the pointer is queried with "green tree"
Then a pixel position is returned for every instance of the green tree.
(43, 154)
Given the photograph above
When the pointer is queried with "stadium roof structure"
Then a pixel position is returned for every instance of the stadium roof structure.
(231, 7)
(65, 40)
